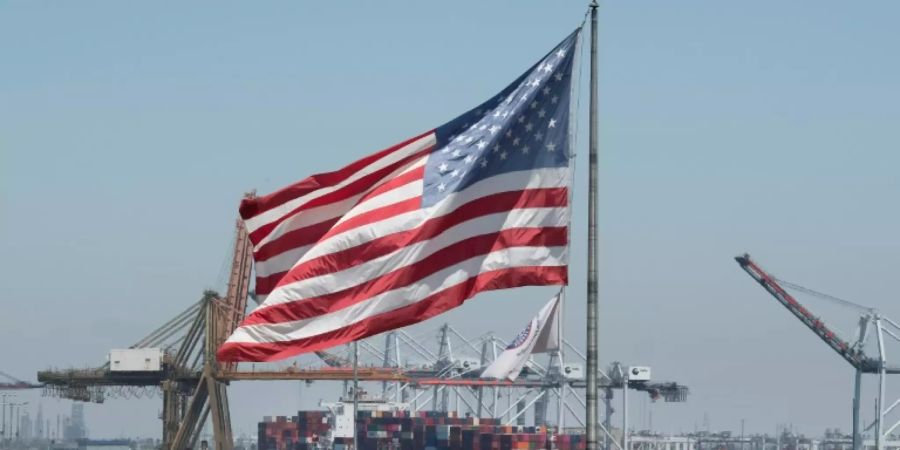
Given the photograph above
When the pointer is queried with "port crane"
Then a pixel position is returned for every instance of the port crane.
(870, 322)
(193, 383)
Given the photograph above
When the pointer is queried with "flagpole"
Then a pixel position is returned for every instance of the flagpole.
(355, 394)
(592, 366)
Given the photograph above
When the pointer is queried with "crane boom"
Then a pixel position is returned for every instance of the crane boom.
(850, 353)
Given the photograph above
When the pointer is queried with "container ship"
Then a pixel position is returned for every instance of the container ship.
(381, 425)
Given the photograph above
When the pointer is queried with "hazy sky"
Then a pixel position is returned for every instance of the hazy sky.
(129, 132)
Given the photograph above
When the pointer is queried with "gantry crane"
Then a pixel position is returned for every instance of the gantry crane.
(854, 353)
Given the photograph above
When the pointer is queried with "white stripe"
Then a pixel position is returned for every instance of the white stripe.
(511, 181)
(405, 192)
(274, 214)
(282, 262)
(392, 300)
(407, 256)
(319, 214)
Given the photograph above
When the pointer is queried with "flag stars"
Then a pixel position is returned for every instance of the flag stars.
(494, 129)
(561, 53)
(534, 105)
(521, 119)
(469, 159)
(516, 142)
(542, 113)
(551, 147)
(509, 133)
(441, 187)
(546, 90)
(484, 163)
(552, 123)
(529, 126)
(503, 155)
(443, 167)
(469, 139)
(525, 149)
(481, 145)
(455, 173)
(539, 136)
(456, 153)
(496, 148)
(554, 99)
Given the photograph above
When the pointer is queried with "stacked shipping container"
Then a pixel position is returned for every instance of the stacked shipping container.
(425, 430)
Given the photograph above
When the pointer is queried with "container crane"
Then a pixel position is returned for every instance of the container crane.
(870, 319)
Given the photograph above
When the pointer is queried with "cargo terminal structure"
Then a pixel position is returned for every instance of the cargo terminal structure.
(180, 356)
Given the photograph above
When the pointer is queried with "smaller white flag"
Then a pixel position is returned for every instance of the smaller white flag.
(540, 336)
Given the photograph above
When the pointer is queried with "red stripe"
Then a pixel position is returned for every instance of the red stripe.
(310, 234)
(431, 306)
(495, 203)
(293, 239)
(359, 186)
(253, 206)
(343, 259)
(404, 276)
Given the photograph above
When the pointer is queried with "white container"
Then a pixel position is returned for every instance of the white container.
(573, 371)
(638, 373)
(135, 360)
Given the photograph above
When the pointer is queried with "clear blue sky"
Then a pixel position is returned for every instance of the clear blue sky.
(128, 133)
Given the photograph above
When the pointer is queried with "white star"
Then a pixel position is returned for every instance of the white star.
(529, 126)
(481, 145)
(546, 90)
(551, 147)
(554, 99)
(524, 97)
(446, 150)
(503, 155)
(443, 167)
(521, 119)
(548, 67)
(470, 138)
(534, 105)
(455, 173)
(525, 149)
(456, 153)
(494, 129)
(541, 114)
(561, 53)
(483, 127)
(484, 163)
(536, 82)
(497, 113)
(469, 159)
(516, 142)
(441, 187)
(539, 136)
(459, 138)
(496, 148)
(558, 76)
(509, 133)
(505, 113)
(552, 123)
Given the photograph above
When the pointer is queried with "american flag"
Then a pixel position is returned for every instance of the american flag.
(479, 203)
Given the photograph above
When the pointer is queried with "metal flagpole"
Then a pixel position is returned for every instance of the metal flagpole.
(355, 394)
(592, 366)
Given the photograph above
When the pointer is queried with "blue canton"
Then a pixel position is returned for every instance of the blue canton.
(524, 127)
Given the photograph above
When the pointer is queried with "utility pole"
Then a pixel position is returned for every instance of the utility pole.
(593, 371)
